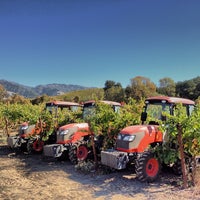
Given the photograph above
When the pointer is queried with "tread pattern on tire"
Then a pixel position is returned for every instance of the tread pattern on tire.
(140, 167)
(73, 151)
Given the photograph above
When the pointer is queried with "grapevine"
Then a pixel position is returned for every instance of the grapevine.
(183, 136)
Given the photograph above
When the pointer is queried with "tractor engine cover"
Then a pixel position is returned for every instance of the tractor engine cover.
(114, 159)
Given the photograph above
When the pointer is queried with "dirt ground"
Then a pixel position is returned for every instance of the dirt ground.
(33, 177)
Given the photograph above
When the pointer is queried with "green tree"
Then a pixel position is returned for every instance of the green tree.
(189, 89)
(113, 91)
(40, 99)
(140, 87)
(167, 87)
(109, 84)
(17, 99)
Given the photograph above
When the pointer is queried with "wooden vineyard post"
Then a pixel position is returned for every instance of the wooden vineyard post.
(93, 146)
(6, 127)
(182, 157)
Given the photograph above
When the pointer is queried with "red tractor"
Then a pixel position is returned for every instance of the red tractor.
(22, 140)
(29, 136)
(133, 142)
(72, 139)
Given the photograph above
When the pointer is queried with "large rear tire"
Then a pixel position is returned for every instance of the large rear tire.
(147, 167)
(78, 152)
(177, 168)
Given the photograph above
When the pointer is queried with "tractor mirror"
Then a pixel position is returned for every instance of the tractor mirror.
(143, 116)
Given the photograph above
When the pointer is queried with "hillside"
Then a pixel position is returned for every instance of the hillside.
(31, 92)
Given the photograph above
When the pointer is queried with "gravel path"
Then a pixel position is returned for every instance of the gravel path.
(32, 177)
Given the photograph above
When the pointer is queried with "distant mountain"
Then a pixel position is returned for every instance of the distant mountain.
(31, 92)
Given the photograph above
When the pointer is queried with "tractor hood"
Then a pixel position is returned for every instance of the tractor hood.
(71, 132)
(137, 129)
(74, 125)
(138, 138)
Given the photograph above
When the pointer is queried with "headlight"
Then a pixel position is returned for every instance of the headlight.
(24, 127)
(129, 138)
(63, 132)
(119, 137)
(124, 137)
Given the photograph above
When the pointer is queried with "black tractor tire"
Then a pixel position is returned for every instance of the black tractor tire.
(38, 145)
(72, 154)
(78, 152)
(29, 146)
(177, 168)
(147, 167)
(23, 147)
(64, 156)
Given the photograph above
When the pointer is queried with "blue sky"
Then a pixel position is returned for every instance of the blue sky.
(86, 42)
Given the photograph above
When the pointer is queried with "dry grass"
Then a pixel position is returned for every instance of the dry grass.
(21, 173)
(197, 183)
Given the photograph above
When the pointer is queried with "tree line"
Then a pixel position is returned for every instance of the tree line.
(139, 88)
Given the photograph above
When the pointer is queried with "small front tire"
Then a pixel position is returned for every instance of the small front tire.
(78, 152)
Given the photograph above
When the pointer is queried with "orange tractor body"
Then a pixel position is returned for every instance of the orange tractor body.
(133, 142)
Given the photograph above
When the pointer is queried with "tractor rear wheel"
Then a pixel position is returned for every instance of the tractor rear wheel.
(38, 145)
(78, 152)
(177, 169)
(147, 167)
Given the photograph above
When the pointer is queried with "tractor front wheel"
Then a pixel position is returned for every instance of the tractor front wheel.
(38, 145)
(29, 146)
(82, 152)
(147, 167)
(78, 152)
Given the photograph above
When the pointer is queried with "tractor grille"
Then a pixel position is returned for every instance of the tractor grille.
(68, 136)
(114, 159)
(62, 138)
(125, 144)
